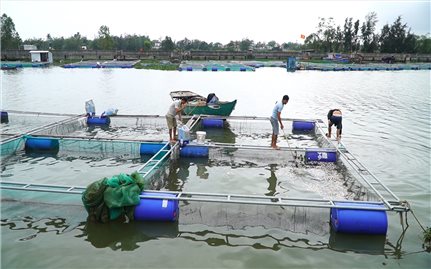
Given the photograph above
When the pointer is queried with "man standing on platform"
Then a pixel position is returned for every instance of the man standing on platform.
(275, 119)
(176, 107)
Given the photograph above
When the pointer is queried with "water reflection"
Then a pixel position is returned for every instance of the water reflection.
(221, 135)
(126, 236)
(272, 180)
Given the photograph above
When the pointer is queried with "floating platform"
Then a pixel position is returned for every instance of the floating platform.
(100, 64)
(15, 65)
(215, 66)
(240, 144)
(363, 67)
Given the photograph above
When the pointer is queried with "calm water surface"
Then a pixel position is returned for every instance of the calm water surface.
(386, 125)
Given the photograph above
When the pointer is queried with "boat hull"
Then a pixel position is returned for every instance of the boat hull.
(222, 109)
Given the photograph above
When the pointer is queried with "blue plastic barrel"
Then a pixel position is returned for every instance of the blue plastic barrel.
(303, 125)
(214, 68)
(150, 148)
(4, 117)
(242, 69)
(194, 151)
(98, 121)
(359, 221)
(212, 123)
(189, 68)
(42, 145)
(157, 209)
(321, 155)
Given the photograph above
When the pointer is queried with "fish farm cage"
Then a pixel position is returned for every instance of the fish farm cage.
(214, 66)
(101, 64)
(310, 172)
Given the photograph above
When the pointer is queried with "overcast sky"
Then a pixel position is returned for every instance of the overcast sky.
(211, 21)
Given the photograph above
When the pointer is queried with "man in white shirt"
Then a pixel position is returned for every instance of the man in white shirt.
(176, 107)
(275, 119)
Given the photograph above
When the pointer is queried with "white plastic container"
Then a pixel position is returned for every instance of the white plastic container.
(90, 108)
(184, 134)
(200, 137)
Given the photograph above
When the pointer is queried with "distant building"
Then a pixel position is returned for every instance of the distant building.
(41, 56)
(157, 44)
(29, 47)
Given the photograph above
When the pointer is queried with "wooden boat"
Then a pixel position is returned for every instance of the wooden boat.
(197, 104)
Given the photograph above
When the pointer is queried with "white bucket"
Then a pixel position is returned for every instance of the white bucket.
(200, 137)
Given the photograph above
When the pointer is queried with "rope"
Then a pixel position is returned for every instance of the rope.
(287, 140)
(411, 210)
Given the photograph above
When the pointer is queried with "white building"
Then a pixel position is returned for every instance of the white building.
(41, 56)
(29, 47)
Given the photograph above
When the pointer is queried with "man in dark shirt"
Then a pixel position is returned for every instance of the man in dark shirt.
(335, 118)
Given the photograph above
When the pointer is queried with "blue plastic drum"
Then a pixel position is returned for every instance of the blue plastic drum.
(212, 123)
(321, 155)
(214, 69)
(194, 151)
(303, 126)
(150, 148)
(189, 68)
(44, 145)
(152, 209)
(95, 121)
(4, 117)
(359, 221)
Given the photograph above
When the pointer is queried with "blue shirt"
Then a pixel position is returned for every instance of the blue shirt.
(277, 108)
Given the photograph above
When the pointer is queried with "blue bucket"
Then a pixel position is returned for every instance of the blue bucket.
(150, 209)
(194, 151)
(212, 123)
(359, 221)
(47, 145)
(321, 155)
(95, 121)
(150, 148)
(4, 117)
(307, 126)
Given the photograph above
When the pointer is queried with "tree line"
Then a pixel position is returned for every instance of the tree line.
(351, 37)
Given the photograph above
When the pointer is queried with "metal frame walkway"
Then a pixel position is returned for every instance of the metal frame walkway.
(390, 201)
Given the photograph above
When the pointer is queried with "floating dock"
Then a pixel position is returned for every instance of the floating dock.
(214, 66)
(15, 65)
(102, 64)
(363, 67)
(361, 209)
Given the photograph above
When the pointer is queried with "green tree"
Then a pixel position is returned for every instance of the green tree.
(423, 44)
(369, 38)
(327, 33)
(355, 37)
(167, 44)
(348, 35)
(245, 44)
(105, 40)
(397, 39)
(231, 46)
(9, 36)
(147, 45)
